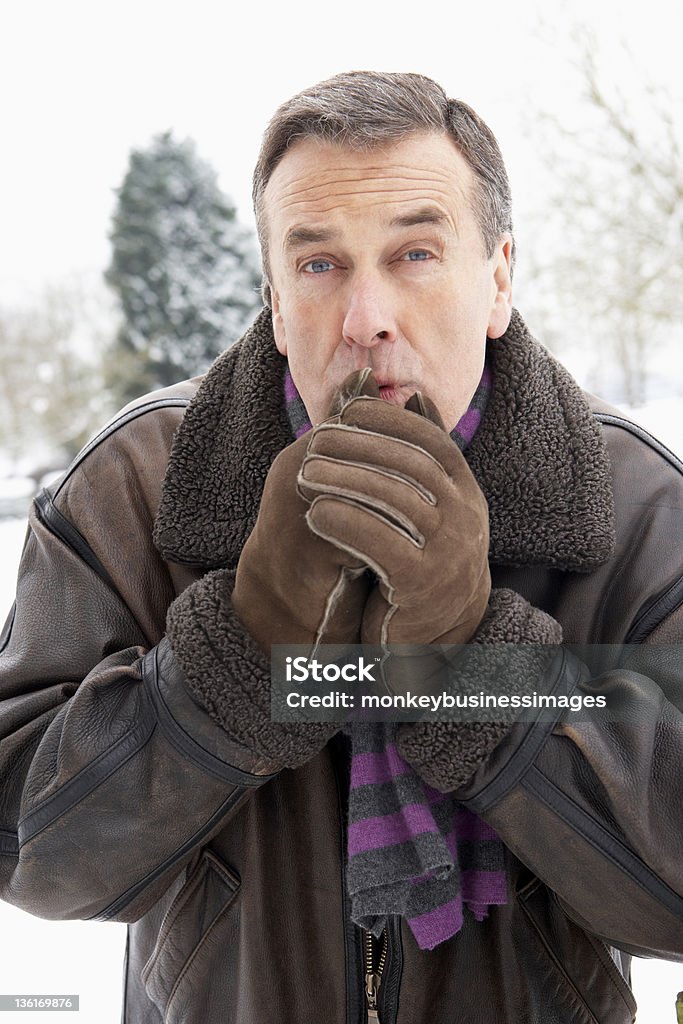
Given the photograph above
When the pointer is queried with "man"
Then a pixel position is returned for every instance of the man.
(143, 778)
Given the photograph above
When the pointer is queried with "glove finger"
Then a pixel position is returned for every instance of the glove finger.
(382, 620)
(394, 455)
(394, 496)
(383, 418)
(434, 618)
(360, 382)
(424, 406)
(413, 551)
(380, 542)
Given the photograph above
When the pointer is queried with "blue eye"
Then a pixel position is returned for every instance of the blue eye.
(317, 266)
(417, 256)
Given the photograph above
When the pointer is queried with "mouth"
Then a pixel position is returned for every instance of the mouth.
(393, 392)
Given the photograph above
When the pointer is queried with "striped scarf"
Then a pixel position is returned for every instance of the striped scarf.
(412, 850)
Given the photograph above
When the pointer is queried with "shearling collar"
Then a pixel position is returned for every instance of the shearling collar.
(538, 456)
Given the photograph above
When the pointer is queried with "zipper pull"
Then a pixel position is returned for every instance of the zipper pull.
(371, 985)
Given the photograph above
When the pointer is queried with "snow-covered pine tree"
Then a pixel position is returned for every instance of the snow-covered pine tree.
(186, 273)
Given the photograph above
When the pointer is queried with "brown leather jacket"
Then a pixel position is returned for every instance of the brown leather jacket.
(122, 799)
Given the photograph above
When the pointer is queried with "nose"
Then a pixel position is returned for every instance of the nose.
(369, 317)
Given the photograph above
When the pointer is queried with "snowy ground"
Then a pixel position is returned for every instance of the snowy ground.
(86, 958)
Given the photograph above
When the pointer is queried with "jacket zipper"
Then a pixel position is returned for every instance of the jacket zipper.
(373, 977)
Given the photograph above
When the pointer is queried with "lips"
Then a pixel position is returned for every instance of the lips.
(393, 393)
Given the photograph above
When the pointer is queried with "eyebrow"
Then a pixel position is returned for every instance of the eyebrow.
(425, 215)
(303, 236)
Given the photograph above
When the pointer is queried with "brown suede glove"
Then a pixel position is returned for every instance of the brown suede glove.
(292, 585)
(417, 518)
(420, 522)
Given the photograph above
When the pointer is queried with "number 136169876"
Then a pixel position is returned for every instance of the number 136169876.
(38, 1002)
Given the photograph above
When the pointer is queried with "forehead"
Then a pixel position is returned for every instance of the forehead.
(318, 178)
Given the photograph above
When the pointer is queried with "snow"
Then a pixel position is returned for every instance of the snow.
(83, 958)
(12, 534)
(664, 419)
(15, 495)
(86, 958)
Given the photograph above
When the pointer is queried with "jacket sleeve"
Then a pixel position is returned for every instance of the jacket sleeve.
(111, 773)
(590, 803)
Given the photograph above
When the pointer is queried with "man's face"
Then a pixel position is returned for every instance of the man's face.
(376, 259)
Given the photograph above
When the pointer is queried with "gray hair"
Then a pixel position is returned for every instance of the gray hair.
(363, 109)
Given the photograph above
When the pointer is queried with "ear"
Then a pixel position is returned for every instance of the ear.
(278, 325)
(501, 308)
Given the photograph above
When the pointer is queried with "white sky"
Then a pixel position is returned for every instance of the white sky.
(83, 82)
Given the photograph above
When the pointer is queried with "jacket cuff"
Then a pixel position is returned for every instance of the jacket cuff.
(446, 754)
(228, 674)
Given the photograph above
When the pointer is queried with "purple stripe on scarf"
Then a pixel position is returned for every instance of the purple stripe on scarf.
(389, 829)
(467, 424)
(484, 887)
(437, 925)
(296, 410)
(290, 388)
(370, 768)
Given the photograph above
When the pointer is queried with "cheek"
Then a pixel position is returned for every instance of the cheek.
(312, 332)
(456, 360)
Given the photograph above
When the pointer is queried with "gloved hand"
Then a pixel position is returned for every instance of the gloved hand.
(419, 518)
(294, 586)
(419, 521)
(291, 586)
